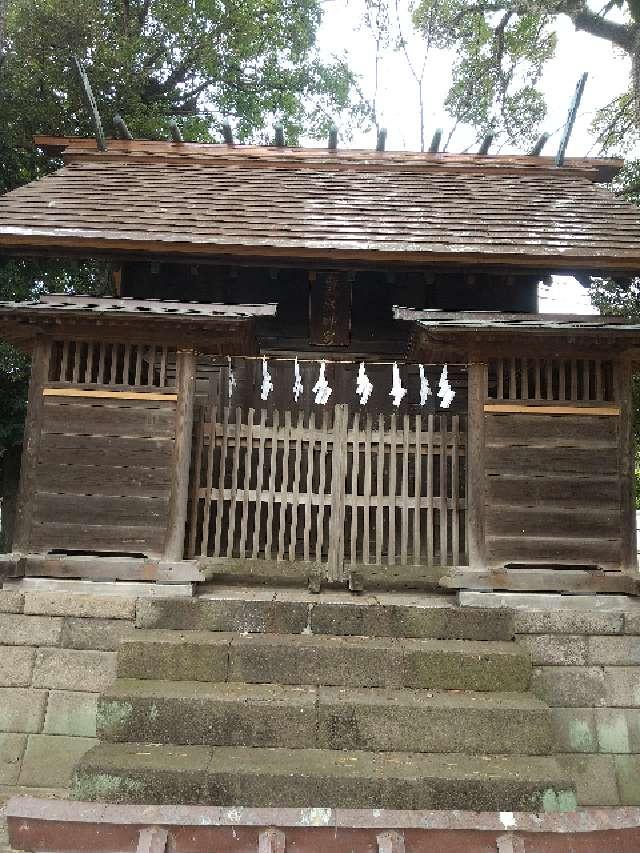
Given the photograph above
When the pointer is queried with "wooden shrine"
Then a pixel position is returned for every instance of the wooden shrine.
(152, 451)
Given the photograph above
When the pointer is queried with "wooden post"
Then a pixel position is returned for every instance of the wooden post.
(178, 500)
(339, 451)
(626, 466)
(476, 477)
(33, 427)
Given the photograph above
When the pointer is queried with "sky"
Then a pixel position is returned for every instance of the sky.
(342, 33)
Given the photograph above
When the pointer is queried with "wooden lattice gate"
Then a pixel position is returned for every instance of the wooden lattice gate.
(333, 487)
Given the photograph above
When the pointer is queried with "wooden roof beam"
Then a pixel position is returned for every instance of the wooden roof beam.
(571, 119)
(90, 101)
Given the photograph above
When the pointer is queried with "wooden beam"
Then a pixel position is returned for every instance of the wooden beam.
(537, 149)
(122, 131)
(571, 119)
(174, 130)
(279, 140)
(435, 141)
(381, 142)
(120, 395)
(227, 133)
(544, 580)
(179, 498)
(332, 143)
(35, 405)
(476, 484)
(524, 408)
(90, 101)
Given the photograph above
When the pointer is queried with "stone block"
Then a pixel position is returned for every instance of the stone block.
(16, 664)
(632, 621)
(11, 601)
(71, 669)
(622, 684)
(564, 649)
(71, 713)
(11, 751)
(99, 634)
(566, 621)
(175, 656)
(616, 651)
(19, 630)
(251, 615)
(574, 729)
(628, 773)
(49, 760)
(21, 709)
(465, 665)
(570, 686)
(595, 778)
(618, 730)
(80, 604)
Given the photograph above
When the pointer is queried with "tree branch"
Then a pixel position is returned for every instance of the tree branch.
(622, 35)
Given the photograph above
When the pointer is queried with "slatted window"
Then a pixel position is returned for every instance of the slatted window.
(329, 487)
(113, 364)
(552, 379)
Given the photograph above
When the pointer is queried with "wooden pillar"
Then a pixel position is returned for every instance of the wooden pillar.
(33, 427)
(178, 499)
(626, 467)
(476, 477)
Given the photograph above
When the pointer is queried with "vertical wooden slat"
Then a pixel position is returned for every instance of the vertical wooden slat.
(322, 485)
(586, 385)
(623, 377)
(404, 492)
(221, 482)
(88, 372)
(549, 378)
(259, 483)
(248, 465)
(355, 473)
(338, 476)
(513, 380)
(284, 485)
(101, 361)
(126, 364)
(206, 515)
(475, 462)
(455, 475)
(500, 378)
(562, 380)
(235, 471)
(366, 491)
(295, 490)
(574, 380)
(75, 377)
(444, 488)
(151, 365)
(393, 463)
(113, 378)
(64, 363)
(40, 358)
(179, 496)
(380, 490)
(309, 488)
(198, 439)
(538, 391)
(271, 492)
(138, 374)
(163, 367)
(598, 373)
(417, 494)
(430, 496)
(524, 379)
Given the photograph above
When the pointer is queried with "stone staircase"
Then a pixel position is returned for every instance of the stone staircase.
(268, 700)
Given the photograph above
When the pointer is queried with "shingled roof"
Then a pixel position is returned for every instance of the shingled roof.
(204, 200)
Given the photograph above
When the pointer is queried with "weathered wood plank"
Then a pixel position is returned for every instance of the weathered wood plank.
(550, 430)
(105, 393)
(623, 377)
(248, 468)
(532, 408)
(544, 580)
(536, 521)
(476, 462)
(109, 510)
(562, 549)
(98, 537)
(97, 419)
(567, 460)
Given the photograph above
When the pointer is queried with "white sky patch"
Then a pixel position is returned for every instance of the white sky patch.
(565, 296)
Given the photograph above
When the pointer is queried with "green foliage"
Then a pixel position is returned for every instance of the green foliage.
(500, 59)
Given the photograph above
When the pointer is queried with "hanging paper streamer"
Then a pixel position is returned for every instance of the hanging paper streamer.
(298, 387)
(321, 388)
(267, 384)
(445, 391)
(364, 387)
(425, 388)
(397, 391)
(232, 379)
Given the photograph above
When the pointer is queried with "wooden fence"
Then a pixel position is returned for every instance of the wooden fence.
(330, 487)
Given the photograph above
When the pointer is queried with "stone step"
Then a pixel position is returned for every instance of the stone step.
(316, 778)
(267, 715)
(325, 660)
(294, 612)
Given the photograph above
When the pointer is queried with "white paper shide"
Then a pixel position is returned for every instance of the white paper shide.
(321, 389)
(397, 391)
(267, 383)
(364, 386)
